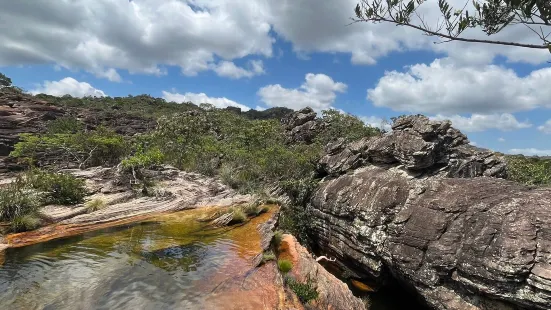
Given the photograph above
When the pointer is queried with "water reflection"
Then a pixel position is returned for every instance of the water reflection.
(162, 263)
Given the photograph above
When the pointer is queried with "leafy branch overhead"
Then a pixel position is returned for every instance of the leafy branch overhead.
(492, 16)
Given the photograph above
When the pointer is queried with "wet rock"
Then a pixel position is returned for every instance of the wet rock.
(460, 243)
(333, 293)
(419, 145)
(176, 190)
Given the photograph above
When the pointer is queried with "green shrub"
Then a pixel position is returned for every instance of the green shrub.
(253, 209)
(64, 125)
(530, 171)
(273, 201)
(17, 200)
(95, 205)
(278, 236)
(92, 148)
(264, 209)
(268, 256)
(58, 188)
(238, 216)
(306, 292)
(284, 265)
(143, 159)
(25, 222)
(346, 126)
(230, 176)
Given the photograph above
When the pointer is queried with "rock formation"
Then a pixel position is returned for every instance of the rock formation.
(179, 191)
(333, 294)
(302, 126)
(418, 145)
(22, 113)
(422, 206)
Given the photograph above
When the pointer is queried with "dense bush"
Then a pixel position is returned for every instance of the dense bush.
(245, 153)
(58, 188)
(306, 292)
(65, 124)
(530, 171)
(345, 126)
(25, 222)
(96, 147)
(17, 200)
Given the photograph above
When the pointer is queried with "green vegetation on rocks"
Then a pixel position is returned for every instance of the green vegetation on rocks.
(21, 199)
(529, 170)
(284, 265)
(306, 292)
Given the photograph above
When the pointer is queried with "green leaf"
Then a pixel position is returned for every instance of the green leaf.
(410, 7)
(358, 11)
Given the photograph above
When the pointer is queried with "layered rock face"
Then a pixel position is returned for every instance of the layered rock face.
(420, 205)
(21, 113)
(418, 145)
(302, 126)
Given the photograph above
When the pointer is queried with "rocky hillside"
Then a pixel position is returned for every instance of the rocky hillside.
(23, 113)
(421, 205)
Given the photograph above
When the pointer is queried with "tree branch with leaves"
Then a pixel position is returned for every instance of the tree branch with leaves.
(492, 16)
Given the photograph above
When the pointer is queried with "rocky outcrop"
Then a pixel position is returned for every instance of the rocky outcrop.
(333, 294)
(23, 113)
(175, 190)
(420, 146)
(302, 126)
(421, 206)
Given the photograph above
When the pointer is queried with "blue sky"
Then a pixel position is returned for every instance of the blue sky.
(258, 55)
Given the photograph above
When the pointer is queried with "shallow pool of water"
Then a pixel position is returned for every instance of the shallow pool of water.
(169, 262)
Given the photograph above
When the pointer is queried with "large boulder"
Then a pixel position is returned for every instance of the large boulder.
(422, 206)
(467, 240)
(302, 126)
(420, 146)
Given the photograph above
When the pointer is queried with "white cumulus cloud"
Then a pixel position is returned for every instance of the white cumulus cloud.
(446, 88)
(482, 122)
(230, 70)
(545, 128)
(319, 92)
(68, 86)
(198, 98)
(376, 122)
(102, 36)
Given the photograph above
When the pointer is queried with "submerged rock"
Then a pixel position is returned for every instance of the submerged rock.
(422, 206)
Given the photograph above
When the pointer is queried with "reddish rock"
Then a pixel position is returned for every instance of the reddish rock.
(333, 293)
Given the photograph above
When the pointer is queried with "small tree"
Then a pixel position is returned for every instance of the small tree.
(4, 80)
(491, 16)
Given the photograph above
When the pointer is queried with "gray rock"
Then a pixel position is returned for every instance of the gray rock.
(302, 126)
(418, 144)
(482, 243)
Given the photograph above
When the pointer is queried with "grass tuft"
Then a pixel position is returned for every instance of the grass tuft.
(238, 216)
(268, 256)
(306, 292)
(95, 205)
(25, 222)
(284, 265)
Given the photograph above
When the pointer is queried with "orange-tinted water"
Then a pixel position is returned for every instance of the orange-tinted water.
(166, 262)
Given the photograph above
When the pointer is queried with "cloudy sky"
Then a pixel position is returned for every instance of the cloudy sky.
(293, 53)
